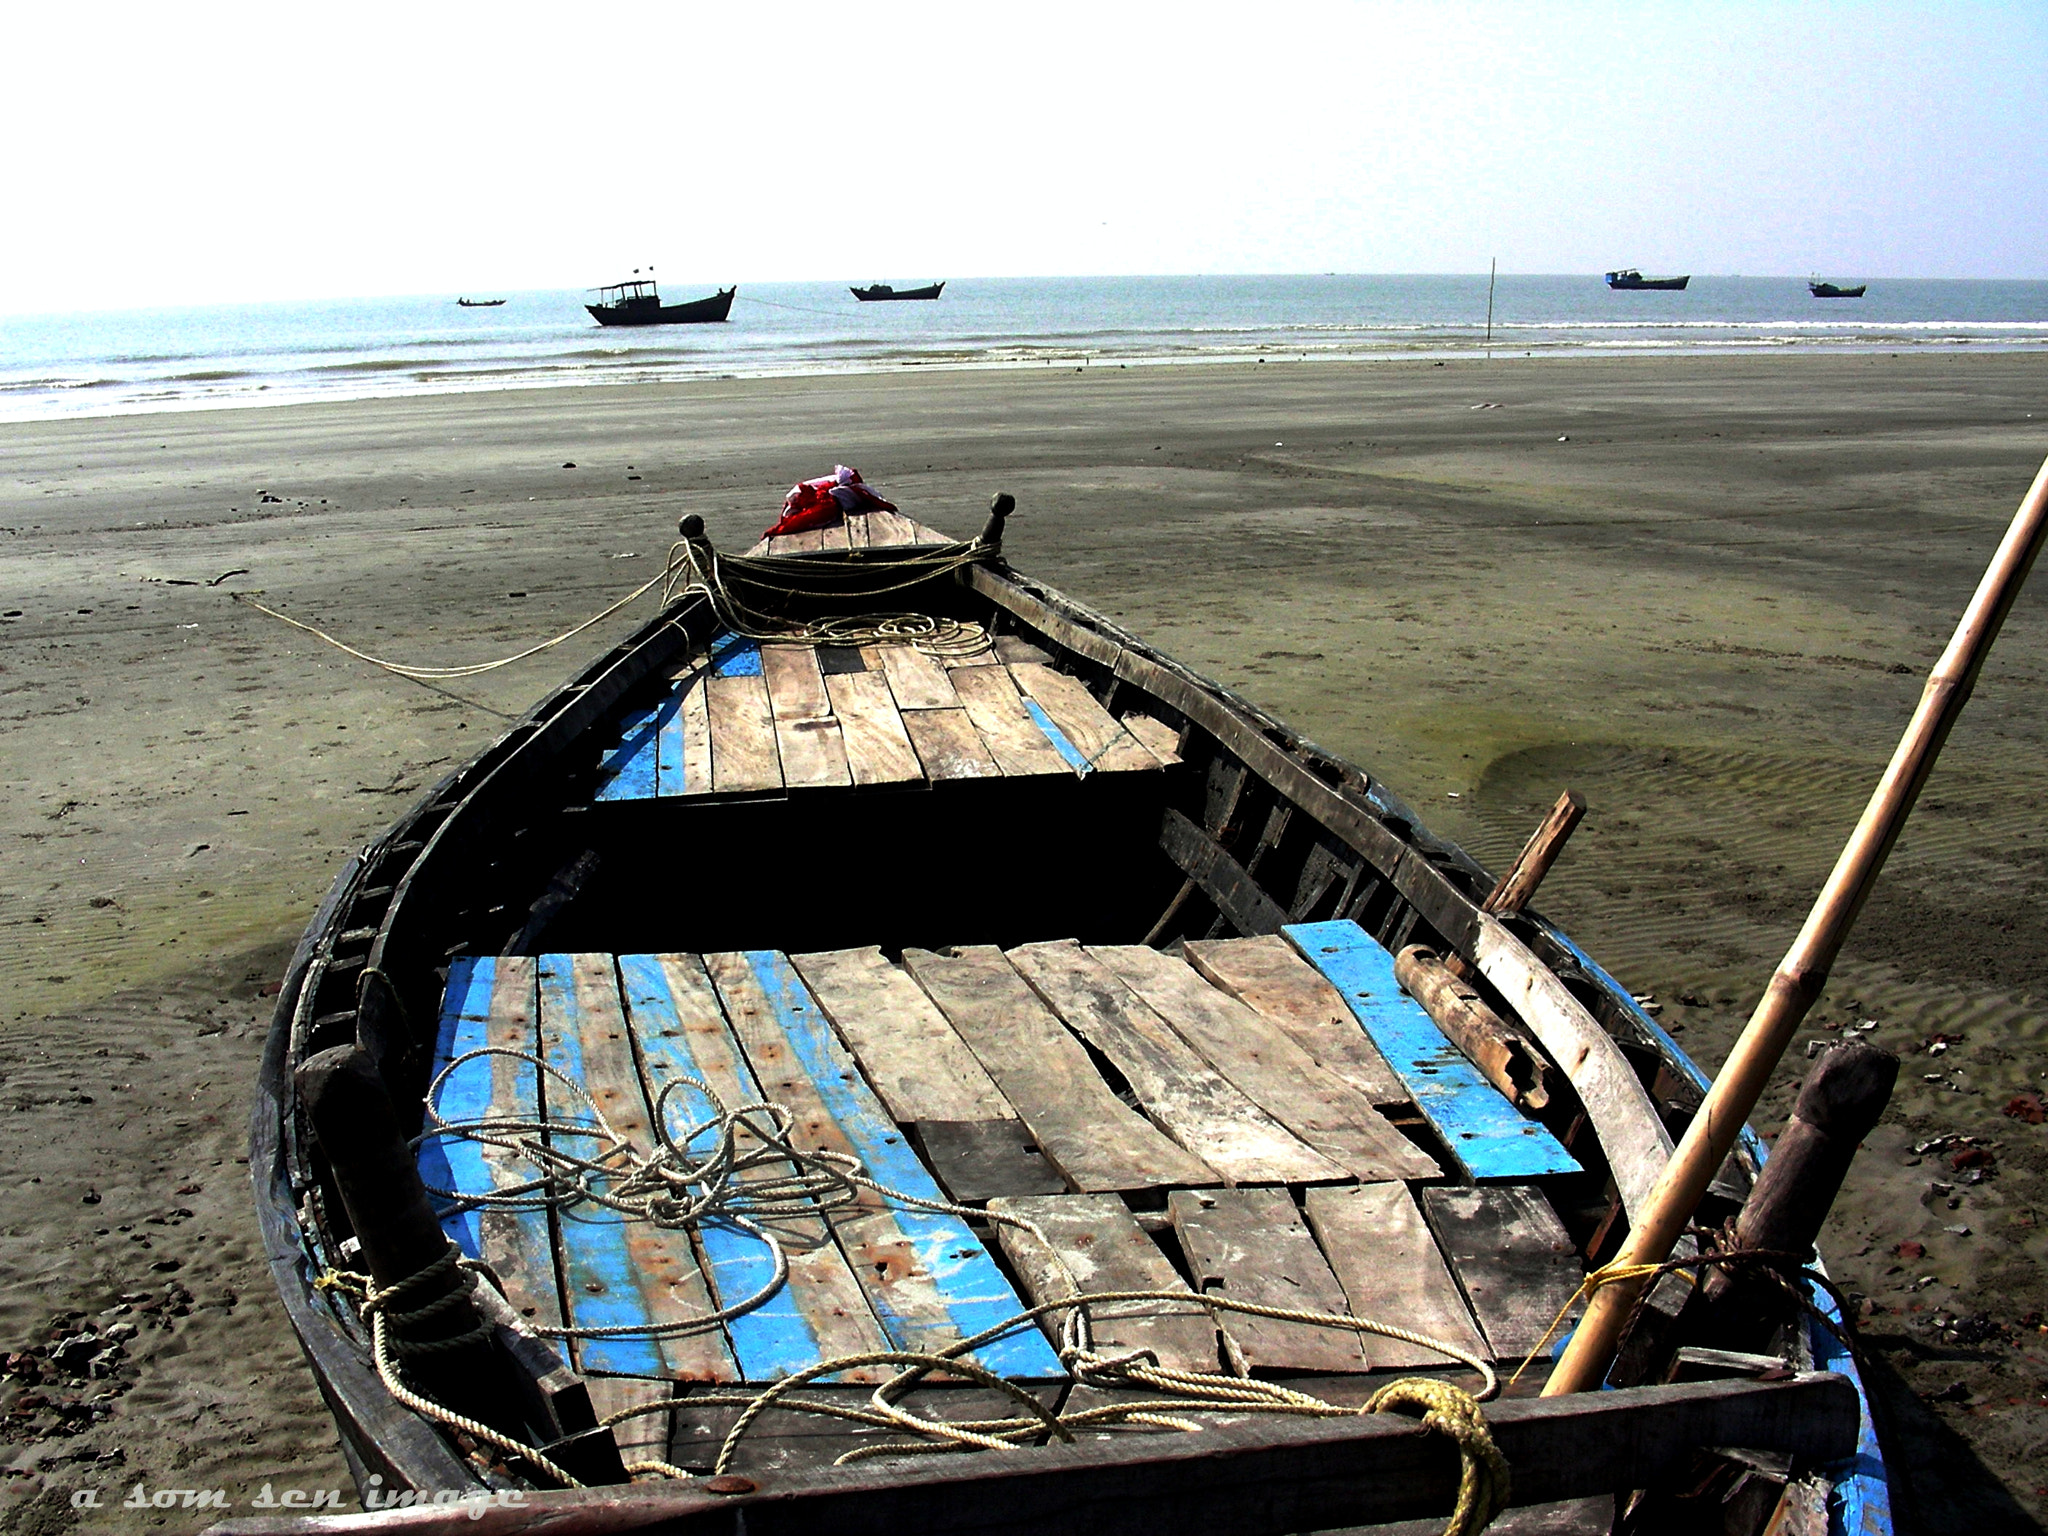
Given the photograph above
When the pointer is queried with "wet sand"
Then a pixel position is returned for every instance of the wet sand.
(1703, 591)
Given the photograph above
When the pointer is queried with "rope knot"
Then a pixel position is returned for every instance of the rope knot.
(1451, 1410)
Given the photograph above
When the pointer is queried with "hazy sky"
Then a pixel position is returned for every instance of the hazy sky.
(217, 152)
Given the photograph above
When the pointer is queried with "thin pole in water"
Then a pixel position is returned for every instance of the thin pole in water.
(1492, 267)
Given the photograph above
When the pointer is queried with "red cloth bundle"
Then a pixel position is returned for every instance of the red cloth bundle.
(825, 500)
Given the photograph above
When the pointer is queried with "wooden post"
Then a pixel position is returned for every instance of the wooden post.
(1511, 1060)
(1511, 892)
(1804, 970)
(1838, 1104)
(999, 507)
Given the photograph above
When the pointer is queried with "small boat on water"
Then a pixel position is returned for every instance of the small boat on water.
(878, 292)
(479, 303)
(638, 302)
(751, 1073)
(1822, 290)
(1629, 278)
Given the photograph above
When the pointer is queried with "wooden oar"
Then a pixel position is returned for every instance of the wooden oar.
(1804, 970)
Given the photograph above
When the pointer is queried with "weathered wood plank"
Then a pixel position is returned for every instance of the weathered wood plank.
(832, 535)
(1156, 736)
(1097, 1246)
(1266, 1478)
(1269, 1068)
(645, 1436)
(1512, 1258)
(857, 530)
(1227, 883)
(949, 745)
(807, 737)
(916, 678)
(821, 1312)
(1088, 1133)
(1181, 1092)
(906, 1049)
(685, 748)
(1482, 1130)
(1250, 1245)
(981, 1159)
(1267, 976)
(788, 1441)
(1098, 734)
(1017, 651)
(626, 771)
(990, 697)
(454, 1166)
(735, 656)
(877, 747)
(927, 1276)
(743, 755)
(1381, 1250)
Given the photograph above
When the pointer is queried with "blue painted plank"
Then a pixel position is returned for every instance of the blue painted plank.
(629, 766)
(735, 656)
(1860, 1503)
(455, 1164)
(1076, 758)
(1482, 1129)
(820, 1312)
(600, 1286)
(942, 1252)
(669, 776)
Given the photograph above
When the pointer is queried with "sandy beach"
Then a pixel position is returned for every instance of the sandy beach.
(1705, 592)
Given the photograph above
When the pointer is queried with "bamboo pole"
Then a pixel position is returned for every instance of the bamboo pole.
(1804, 970)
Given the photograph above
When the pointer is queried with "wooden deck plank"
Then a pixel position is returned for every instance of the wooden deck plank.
(1091, 1136)
(1020, 748)
(1180, 1091)
(833, 535)
(1513, 1259)
(1266, 975)
(519, 1245)
(1380, 1247)
(856, 530)
(929, 1279)
(743, 755)
(878, 749)
(1155, 736)
(685, 748)
(626, 771)
(1250, 1245)
(806, 734)
(985, 657)
(1098, 1246)
(981, 1159)
(916, 678)
(1269, 1068)
(906, 1049)
(644, 1437)
(783, 1441)
(735, 656)
(821, 1312)
(1095, 732)
(1482, 1129)
(948, 744)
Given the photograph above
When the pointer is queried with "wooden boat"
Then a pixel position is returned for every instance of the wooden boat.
(877, 292)
(479, 303)
(1629, 278)
(1822, 290)
(638, 302)
(1089, 965)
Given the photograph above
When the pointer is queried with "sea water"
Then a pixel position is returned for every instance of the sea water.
(260, 354)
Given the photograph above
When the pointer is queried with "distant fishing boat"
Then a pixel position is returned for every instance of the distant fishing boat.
(479, 303)
(879, 291)
(1629, 277)
(1822, 290)
(638, 302)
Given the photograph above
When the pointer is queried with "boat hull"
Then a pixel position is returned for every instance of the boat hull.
(1624, 284)
(1830, 291)
(698, 312)
(881, 293)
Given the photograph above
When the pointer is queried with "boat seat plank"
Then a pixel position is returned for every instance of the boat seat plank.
(1096, 1245)
(627, 770)
(877, 748)
(1019, 746)
(916, 678)
(1181, 1093)
(921, 1069)
(1513, 1259)
(519, 1245)
(685, 748)
(1269, 1068)
(615, 1273)
(1155, 736)
(821, 1312)
(1487, 1134)
(1250, 1245)
(1266, 975)
(948, 744)
(1098, 735)
(1381, 1250)
(1092, 1137)
(807, 735)
(928, 1277)
(743, 755)
(980, 1159)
